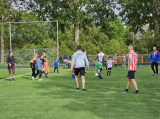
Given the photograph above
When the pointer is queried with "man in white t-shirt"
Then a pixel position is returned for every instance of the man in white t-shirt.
(109, 65)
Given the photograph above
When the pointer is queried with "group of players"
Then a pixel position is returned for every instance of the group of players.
(41, 62)
(79, 58)
(80, 64)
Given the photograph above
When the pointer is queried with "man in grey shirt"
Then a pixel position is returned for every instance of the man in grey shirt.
(79, 58)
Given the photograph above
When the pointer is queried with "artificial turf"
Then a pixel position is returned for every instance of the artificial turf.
(56, 97)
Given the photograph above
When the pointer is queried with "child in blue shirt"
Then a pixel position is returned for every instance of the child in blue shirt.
(55, 64)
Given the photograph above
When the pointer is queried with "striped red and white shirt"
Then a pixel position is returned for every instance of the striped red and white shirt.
(133, 56)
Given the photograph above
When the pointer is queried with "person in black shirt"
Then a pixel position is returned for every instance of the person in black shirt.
(11, 65)
(32, 65)
(43, 60)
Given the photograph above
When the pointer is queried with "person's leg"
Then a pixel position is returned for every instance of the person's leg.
(99, 74)
(40, 74)
(152, 67)
(134, 84)
(57, 70)
(9, 69)
(77, 70)
(156, 68)
(128, 83)
(124, 65)
(110, 73)
(33, 70)
(13, 72)
(37, 73)
(77, 81)
(54, 69)
(83, 81)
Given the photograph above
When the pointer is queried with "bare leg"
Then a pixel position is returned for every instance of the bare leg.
(134, 83)
(124, 65)
(83, 81)
(76, 79)
(128, 83)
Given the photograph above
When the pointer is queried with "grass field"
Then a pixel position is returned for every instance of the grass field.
(57, 98)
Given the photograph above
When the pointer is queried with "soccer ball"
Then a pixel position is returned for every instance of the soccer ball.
(96, 74)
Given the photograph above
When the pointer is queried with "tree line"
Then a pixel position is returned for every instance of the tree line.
(90, 23)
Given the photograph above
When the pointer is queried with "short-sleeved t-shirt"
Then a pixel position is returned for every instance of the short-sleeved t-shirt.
(109, 63)
(133, 56)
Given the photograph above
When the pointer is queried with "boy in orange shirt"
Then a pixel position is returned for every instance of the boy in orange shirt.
(46, 67)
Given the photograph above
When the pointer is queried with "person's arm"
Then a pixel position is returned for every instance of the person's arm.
(73, 60)
(150, 57)
(86, 60)
(158, 57)
(41, 65)
(131, 61)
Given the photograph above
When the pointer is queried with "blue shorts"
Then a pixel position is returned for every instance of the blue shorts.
(124, 60)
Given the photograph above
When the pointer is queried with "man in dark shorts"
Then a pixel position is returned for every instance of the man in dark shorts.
(132, 67)
(79, 58)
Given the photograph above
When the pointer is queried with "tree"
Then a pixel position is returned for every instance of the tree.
(113, 28)
(5, 13)
(136, 13)
(70, 11)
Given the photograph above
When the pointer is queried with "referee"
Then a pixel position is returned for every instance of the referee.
(79, 58)
(154, 57)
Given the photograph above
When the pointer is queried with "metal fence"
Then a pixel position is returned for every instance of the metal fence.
(23, 56)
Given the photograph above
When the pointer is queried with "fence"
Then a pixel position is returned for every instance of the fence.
(23, 56)
(142, 58)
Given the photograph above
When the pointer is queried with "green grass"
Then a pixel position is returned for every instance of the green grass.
(57, 98)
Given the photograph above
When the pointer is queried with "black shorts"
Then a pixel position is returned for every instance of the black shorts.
(131, 74)
(80, 70)
(100, 69)
(109, 68)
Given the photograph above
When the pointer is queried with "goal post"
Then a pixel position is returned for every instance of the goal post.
(10, 28)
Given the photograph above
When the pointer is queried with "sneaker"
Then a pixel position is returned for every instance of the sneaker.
(136, 93)
(157, 75)
(36, 78)
(154, 74)
(39, 79)
(53, 72)
(46, 76)
(77, 88)
(13, 79)
(84, 89)
(32, 78)
(57, 72)
(124, 91)
(10, 80)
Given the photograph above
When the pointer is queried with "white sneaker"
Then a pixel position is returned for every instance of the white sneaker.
(39, 79)
(32, 78)
(36, 78)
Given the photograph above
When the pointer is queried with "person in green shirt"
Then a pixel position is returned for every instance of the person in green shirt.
(98, 68)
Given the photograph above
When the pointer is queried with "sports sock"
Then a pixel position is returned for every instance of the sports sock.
(83, 87)
(77, 86)
(12, 75)
(100, 75)
(9, 76)
(136, 90)
(107, 73)
(46, 74)
(110, 72)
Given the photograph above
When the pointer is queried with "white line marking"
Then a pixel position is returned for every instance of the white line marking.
(15, 76)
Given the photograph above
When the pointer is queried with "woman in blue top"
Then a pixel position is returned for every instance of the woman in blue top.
(39, 66)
